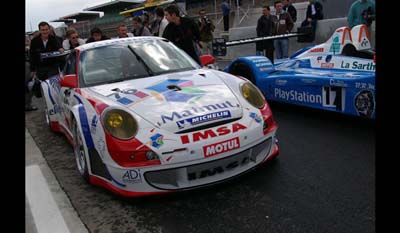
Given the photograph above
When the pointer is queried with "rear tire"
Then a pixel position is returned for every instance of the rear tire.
(80, 152)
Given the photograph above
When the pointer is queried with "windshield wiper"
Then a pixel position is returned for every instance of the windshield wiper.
(140, 59)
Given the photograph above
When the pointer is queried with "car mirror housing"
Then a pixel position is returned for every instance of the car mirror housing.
(70, 80)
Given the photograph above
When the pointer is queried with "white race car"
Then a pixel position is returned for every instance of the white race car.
(144, 118)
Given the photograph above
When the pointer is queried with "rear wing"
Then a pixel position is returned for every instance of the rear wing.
(342, 38)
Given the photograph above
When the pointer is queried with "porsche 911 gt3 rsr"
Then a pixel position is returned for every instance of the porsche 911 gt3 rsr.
(144, 118)
(338, 75)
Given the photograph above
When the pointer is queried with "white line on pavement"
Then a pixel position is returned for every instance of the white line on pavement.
(44, 209)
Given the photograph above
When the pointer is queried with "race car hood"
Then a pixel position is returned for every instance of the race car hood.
(176, 102)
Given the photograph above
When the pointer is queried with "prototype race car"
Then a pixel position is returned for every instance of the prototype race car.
(338, 75)
(144, 118)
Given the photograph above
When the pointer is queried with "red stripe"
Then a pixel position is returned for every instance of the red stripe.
(268, 117)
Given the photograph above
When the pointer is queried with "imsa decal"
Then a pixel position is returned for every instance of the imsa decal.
(212, 133)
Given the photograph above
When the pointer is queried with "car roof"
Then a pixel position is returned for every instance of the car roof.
(139, 39)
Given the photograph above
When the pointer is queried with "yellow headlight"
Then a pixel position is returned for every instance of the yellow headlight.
(252, 95)
(115, 120)
(120, 124)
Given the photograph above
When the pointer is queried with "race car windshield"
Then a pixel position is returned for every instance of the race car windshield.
(163, 57)
(120, 62)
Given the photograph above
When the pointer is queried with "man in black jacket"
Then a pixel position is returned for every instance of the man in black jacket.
(265, 27)
(183, 32)
(314, 13)
(44, 43)
(289, 8)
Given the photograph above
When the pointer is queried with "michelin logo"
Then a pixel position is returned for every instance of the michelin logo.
(293, 95)
(204, 118)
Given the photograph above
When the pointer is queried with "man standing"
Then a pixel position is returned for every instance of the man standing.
(361, 12)
(138, 28)
(123, 31)
(182, 31)
(289, 8)
(96, 35)
(206, 28)
(283, 26)
(225, 12)
(42, 44)
(72, 40)
(265, 27)
(160, 23)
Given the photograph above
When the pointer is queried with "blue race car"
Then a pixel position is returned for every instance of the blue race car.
(338, 75)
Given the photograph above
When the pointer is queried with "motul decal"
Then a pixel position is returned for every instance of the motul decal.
(221, 147)
(211, 133)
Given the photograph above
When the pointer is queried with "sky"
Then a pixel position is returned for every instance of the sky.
(46, 10)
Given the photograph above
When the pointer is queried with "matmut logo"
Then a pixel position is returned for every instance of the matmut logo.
(211, 133)
(221, 147)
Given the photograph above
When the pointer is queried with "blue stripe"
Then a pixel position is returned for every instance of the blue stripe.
(51, 97)
(85, 125)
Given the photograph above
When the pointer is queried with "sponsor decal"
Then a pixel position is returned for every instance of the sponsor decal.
(93, 125)
(364, 103)
(365, 86)
(319, 59)
(337, 83)
(335, 47)
(281, 82)
(370, 66)
(56, 109)
(328, 58)
(265, 68)
(204, 118)
(124, 100)
(263, 64)
(131, 176)
(317, 50)
(327, 65)
(140, 94)
(187, 93)
(300, 96)
(212, 133)
(218, 169)
(365, 42)
(256, 117)
(308, 80)
(221, 147)
(157, 140)
(175, 116)
(102, 146)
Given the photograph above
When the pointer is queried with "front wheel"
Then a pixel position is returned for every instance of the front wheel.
(80, 152)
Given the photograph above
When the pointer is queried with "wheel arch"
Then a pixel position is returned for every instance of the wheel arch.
(253, 68)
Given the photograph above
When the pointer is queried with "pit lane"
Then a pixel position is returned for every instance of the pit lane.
(323, 181)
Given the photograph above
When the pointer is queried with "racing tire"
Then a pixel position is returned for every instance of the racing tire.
(242, 69)
(79, 151)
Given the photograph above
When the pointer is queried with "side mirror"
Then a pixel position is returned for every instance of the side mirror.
(70, 80)
(207, 60)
